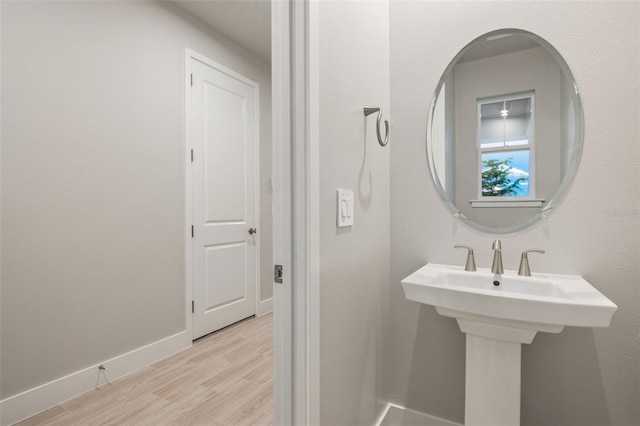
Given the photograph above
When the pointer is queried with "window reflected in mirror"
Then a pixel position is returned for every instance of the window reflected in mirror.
(505, 146)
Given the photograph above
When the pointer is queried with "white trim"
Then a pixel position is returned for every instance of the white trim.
(281, 204)
(210, 62)
(40, 398)
(505, 203)
(383, 415)
(305, 198)
(264, 307)
(313, 300)
(188, 209)
(295, 159)
(259, 308)
(299, 205)
(396, 415)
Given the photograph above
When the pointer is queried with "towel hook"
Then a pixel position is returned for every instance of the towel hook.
(371, 110)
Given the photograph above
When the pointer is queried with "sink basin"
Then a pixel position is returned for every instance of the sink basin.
(546, 302)
(542, 302)
(498, 313)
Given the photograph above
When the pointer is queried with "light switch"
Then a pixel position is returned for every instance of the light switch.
(345, 208)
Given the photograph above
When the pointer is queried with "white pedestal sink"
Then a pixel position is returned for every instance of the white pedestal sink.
(498, 313)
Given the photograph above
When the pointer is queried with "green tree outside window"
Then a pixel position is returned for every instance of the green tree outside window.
(495, 178)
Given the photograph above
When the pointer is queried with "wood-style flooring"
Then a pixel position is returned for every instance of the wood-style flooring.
(225, 378)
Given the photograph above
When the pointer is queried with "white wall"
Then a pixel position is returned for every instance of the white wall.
(93, 179)
(577, 377)
(354, 262)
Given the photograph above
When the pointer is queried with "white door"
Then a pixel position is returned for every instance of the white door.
(224, 139)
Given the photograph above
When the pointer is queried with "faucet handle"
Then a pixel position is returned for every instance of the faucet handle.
(471, 261)
(523, 269)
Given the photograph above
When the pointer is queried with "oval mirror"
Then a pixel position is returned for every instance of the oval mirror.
(504, 132)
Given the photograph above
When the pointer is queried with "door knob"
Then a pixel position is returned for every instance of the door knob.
(253, 231)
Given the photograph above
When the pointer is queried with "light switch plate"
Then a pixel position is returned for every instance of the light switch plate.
(345, 208)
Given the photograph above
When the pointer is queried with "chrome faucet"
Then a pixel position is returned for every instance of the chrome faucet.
(524, 269)
(471, 261)
(496, 266)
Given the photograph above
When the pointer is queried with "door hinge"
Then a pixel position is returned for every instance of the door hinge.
(192, 156)
(193, 306)
(191, 79)
(192, 232)
(277, 273)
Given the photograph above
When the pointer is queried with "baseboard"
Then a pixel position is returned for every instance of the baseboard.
(395, 415)
(33, 401)
(264, 307)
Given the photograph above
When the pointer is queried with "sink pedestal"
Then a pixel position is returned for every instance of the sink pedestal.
(493, 357)
(492, 382)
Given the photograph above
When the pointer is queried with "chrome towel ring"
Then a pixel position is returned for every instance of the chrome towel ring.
(371, 110)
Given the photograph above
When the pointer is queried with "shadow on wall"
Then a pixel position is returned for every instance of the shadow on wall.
(437, 367)
(549, 376)
(365, 187)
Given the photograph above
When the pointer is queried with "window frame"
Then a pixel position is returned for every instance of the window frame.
(507, 200)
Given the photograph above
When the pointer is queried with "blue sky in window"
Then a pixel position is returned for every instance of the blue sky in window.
(520, 166)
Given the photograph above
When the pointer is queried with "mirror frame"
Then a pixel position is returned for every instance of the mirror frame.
(576, 149)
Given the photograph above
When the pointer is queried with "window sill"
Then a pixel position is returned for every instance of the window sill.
(505, 203)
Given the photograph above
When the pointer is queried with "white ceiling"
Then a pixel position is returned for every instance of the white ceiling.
(247, 22)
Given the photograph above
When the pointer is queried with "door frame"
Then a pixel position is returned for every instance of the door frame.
(295, 53)
(190, 55)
